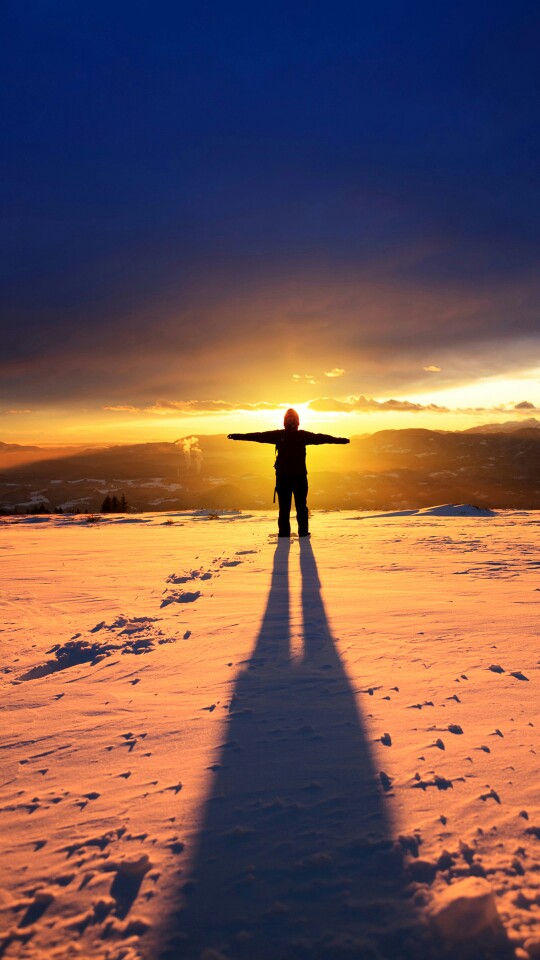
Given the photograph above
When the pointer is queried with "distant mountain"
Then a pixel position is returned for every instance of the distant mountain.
(509, 426)
(15, 454)
(15, 448)
(391, 470)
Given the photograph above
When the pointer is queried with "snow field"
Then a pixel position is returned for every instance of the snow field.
(215, 741)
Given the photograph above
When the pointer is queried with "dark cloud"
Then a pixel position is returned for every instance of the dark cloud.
(525, 405)
(198, 194)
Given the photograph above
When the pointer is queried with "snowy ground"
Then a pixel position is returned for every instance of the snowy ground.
(218, 745)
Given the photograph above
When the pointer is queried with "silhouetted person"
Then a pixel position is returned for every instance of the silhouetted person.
(290, 465)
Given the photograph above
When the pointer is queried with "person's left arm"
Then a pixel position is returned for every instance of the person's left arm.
(316, 438)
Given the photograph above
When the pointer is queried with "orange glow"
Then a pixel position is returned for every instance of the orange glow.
(487, 400)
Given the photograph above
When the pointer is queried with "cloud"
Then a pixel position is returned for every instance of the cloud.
(330, 405)
(202, 342)
(351, 404)
(308, 377)
(432, 368)
(224, 207)
(188, 407)
(369, 405)
(16, 411)
(171, 407)
(407, 406)
(122, 408)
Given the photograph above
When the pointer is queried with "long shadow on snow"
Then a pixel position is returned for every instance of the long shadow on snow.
(295, 858)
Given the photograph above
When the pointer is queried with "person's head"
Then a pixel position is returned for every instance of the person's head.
(291, 420)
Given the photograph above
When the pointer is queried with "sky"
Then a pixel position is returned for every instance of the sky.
(212, 211)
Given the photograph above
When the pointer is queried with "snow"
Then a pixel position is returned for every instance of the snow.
(465, 909)
(456, 510)
(444, 510)
(217, 743)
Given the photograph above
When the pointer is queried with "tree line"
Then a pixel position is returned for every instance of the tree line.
(112, 504)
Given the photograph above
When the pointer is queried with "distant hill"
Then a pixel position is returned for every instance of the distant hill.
(391, 470)
(509, 426)
(13, 454)
(16, 448)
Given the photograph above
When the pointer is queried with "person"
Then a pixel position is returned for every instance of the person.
(290, 466)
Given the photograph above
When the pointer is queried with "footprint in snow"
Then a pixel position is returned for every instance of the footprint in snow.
(492, 795)
(386, 781)
(127, 882)
(187, 577)
(183, 596)
(175, 788)
(37, 908)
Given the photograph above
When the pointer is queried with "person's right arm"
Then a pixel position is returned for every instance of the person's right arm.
(267, 436)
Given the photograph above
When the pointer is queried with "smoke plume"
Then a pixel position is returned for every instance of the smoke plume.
(192, 452)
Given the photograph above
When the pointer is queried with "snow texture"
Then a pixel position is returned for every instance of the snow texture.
(218, 744)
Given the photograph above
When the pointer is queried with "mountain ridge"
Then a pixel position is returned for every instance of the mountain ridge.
(389, 469)
(508, 426)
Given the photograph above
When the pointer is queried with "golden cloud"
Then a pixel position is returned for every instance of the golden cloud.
(122, 408)
(193, 407)
(308, 377)
(369, 405)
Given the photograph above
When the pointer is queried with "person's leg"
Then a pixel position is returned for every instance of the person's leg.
(284, 492)
(300, 499)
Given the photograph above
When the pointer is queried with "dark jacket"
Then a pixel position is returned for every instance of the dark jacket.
(290, 447)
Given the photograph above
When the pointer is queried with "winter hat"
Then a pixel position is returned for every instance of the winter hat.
(291, 419)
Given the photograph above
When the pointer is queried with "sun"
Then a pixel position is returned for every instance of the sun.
(306, 415)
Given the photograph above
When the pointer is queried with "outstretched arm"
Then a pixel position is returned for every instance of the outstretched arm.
(267, 436)
(314, 438)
